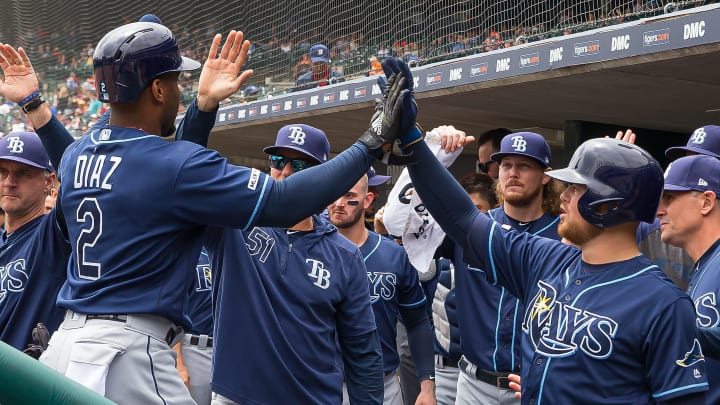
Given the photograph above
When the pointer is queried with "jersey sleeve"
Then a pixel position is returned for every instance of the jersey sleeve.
(411, 294)
(514, 260)
(355, 315)
(211, 191)
(674, 362)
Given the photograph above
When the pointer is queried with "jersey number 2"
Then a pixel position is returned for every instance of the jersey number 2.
(88, 213)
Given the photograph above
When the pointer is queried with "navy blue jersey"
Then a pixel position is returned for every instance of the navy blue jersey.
(704, 290)
(489, 315)
(135, 205)
(281, 303)
(33, 265)
(590, 323)
(200, 299)
(393, 283)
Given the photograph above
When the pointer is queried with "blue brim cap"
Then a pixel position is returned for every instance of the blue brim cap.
(527, 144)
(693, 173)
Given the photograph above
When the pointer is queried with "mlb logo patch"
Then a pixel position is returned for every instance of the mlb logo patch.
(254, 179)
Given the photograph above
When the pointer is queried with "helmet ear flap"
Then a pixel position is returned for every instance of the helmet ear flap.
(600, 209)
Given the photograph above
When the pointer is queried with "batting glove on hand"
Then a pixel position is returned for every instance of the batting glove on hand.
(409, 134)
(396, 112)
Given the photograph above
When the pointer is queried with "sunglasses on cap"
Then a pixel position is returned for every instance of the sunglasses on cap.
(279, 162)
(485, 167)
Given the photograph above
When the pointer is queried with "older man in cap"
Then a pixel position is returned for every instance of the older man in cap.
(320, 74)
(690, 218)
(35, 250)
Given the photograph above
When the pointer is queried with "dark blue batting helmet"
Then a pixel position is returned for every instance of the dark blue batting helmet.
(128, 58)
(624, 182)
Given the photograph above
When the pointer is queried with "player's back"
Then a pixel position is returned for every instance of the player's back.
(134, 205)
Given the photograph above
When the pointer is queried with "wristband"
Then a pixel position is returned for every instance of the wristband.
(33, 104)
(27, 99)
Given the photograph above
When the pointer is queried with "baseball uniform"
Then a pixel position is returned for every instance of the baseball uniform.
(591, 343)
(283, 300)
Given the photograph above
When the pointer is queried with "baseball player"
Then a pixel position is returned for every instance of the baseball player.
(491, 344)
(194, 352)
(394, 289)
(690, 218)
(674, 261)
(597, 315)
(480, 187)
(126, 302)
(34, 253)
(32, 240)
(286, 297)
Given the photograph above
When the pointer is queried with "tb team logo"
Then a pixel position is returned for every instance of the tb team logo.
(382, 285)
(319, 273)
(297, 136)
(519, 143)
(560, 330)
(15, 145)
(698, 137)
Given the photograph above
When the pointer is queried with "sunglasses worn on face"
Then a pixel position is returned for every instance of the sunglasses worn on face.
(279, 162)
(485, 167)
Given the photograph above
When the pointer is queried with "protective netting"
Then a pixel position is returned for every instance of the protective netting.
(59, 36)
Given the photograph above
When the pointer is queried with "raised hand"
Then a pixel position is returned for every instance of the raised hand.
(19, 76)
(452, 138)
(396, 66)
(396, 111)
(219, 78)
(629, 136)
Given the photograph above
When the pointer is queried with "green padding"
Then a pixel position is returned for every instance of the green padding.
(26, 381)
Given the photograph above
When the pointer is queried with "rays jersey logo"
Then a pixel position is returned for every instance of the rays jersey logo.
(297, 136)
(15, 144)
(13, 278)
(560, 330)
(707, 311)
(382, 285)
(692, 357)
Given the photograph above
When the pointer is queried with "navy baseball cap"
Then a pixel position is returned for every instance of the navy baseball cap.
(250, 90)
(302, 138)
(150, 18)
(26, 148)
(528, 144)
(697, 172)
(704, 140)
(375, 179)
(319, 53)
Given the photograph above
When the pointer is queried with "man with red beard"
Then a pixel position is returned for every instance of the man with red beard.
(597, 316)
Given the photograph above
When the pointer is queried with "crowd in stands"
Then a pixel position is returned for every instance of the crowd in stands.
(64, 61)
